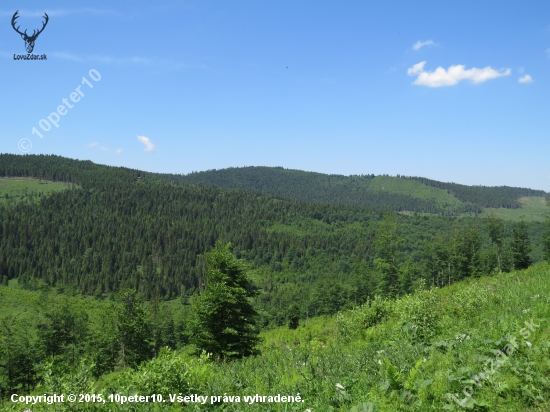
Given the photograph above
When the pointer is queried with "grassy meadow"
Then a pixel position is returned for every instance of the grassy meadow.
(534, 209)
(18, 189)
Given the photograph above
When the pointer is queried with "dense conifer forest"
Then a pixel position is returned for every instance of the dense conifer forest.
(382, 192)
(113, 267)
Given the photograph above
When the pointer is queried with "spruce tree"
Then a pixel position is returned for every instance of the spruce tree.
(133, 330)
(497, 233)
(386, 245)
(293, 314)
(225, 322)
(521, 246)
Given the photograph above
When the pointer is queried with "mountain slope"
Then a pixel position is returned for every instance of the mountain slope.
(481, 345)
(111, 231)
(382, 192)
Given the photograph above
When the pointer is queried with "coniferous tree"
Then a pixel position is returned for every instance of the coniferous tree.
(293, 314)
(133, 330)
(521, 246)
(497, 232)
(386, 245)
(225, 322)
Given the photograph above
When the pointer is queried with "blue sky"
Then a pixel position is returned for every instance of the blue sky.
(425, 88)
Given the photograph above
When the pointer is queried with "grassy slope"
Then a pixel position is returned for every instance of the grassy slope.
(463, 324)
(19, 188)
(413, 188)
(534, 209)
(459, 330)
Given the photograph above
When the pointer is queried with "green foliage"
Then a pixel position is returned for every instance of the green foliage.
(497, 232)
(133, 330)
(293, 315)
(24, 189)
(167, 373)
(533, 209)
(111, 232)
(225, 322)
(386, 247)
(376, 369)
(521, 246)
(381, 192)
(546, 240)
(419, 315)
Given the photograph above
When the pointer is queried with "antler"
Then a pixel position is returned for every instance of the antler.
(15, 16)
(43, 25)
(34, 33)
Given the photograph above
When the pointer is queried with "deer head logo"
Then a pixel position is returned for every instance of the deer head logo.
(29, 40)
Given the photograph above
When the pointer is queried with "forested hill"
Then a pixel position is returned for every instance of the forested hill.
(400, 193)
(501, 196)
(110, 231)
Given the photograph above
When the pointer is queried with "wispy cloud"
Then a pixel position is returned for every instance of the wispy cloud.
(93, 144)
(67, 56)
(454, 74)
(151, 62)
(100, 58)
(149, 146)
(117, 151)
(548, 52)
(103, 148)
(419, 44)
(60, 12)
(525, 79)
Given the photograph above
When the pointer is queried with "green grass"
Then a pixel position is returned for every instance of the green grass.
(416, 189)
(18, 189)
(373, 354)
(534, 209)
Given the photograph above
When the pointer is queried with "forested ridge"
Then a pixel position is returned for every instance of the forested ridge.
(360, 189)
(123, 263)
(501, 196)
(127, 229)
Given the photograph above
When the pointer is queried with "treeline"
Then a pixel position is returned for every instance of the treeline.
(61, 169)
(314, 187)
(484, 196)
(355, 190)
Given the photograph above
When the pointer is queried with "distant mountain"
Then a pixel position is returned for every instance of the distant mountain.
(414, 194)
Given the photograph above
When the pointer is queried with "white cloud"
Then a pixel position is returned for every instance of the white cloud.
(101, 58)
(525, 79)
(67, 56)
(441, 77)
(149, 146)
(60, 12)
(93, 144)
(105, 59)
(117, 151)
(417, 68)
(103, 148)
(419, 44)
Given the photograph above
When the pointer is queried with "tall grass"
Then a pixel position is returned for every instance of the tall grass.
(411, 354)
